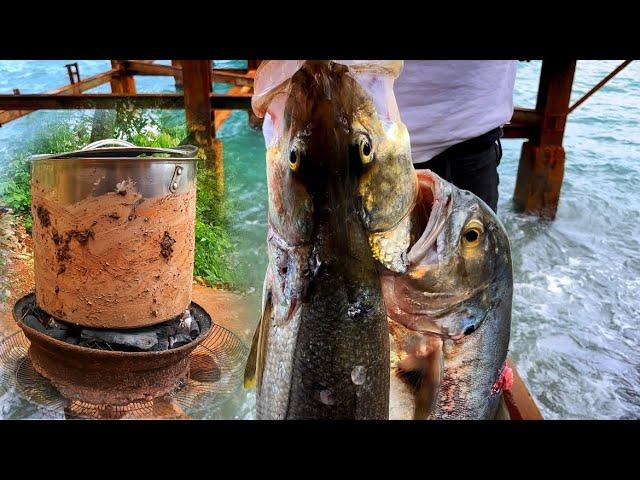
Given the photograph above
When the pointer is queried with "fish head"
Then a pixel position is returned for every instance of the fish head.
(456, 268)
(387, 189)
(387, 186)
(329, 170)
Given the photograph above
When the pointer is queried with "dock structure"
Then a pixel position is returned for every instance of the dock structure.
(540, 171)
(205, 111)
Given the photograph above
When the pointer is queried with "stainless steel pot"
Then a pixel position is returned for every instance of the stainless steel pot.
(113, 231)
(97, 169)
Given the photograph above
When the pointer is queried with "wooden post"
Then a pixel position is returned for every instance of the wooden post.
(178, 79)
(196, 79)
(541, 167)
(253, 120)
(123, 82)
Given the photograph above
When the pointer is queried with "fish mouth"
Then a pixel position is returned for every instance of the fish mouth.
(436, 200)
(438, 313)
(392, 247)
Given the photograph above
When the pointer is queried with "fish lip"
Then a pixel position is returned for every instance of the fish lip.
(440, 211)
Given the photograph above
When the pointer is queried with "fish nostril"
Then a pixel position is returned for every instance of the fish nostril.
(470, 329)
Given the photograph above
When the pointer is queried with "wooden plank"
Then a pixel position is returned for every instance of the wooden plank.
(197, 85)
(142, 68)
(525, 123)
(219, 76)
(518, 400)
(238, 79)
(83, 85)
(221, 116)
(241, 101)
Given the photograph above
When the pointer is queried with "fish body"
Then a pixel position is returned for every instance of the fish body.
(450, 311)
(321, 350)
(388, 291)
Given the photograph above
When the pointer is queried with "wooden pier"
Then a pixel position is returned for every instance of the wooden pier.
(540, 172)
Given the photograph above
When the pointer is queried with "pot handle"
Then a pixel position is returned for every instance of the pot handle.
(179, 150)
(107, 141)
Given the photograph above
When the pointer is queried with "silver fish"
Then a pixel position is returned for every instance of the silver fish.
(321, 349)
(450, 311)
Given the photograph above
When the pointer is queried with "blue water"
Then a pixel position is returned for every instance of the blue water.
(575, 332)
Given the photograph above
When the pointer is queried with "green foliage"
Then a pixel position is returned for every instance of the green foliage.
(215, 251)
(15, 180)
(15, 189)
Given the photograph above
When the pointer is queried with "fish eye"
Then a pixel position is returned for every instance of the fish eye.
(295, 158)
(472, 233)
(365, 150)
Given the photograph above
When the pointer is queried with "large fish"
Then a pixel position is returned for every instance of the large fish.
(321, 349)
(450, 310)
(340, 176)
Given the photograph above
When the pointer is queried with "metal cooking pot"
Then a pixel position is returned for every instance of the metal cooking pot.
(96, 169)
(113, 231)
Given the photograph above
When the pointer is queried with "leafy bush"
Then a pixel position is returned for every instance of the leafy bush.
(215, 251)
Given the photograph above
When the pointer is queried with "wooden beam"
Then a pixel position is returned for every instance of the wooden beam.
(221, 116)
(142, 68)
(519, 402)
(525, 123)
(554, 93)
(30, 102)
(196, 78)
(234, 78)
(599, 85)
(81, 86)
(174, 70)
(123, 81)
(177, 75)
(541, 167)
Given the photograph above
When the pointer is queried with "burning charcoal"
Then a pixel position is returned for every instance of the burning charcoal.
(33, 322)
(185, 321)
(195, 329)
(58, 333)
(141, 340)
(163, 344)
(179, 340)
(57, 330)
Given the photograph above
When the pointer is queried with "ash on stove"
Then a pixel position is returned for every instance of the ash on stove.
(174, 333)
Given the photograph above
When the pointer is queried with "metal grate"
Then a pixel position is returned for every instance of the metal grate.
(216, 371)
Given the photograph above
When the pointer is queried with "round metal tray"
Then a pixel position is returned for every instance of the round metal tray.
(216, 371)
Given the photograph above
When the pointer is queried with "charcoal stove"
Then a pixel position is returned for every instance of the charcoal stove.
(104, 375)
(111, 323)
(90, 389)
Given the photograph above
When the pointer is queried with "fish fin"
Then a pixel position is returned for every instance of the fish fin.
(423, 374)
(255, 362)
(250, 368)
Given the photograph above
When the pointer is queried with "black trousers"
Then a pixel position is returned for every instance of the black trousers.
(471, 165)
